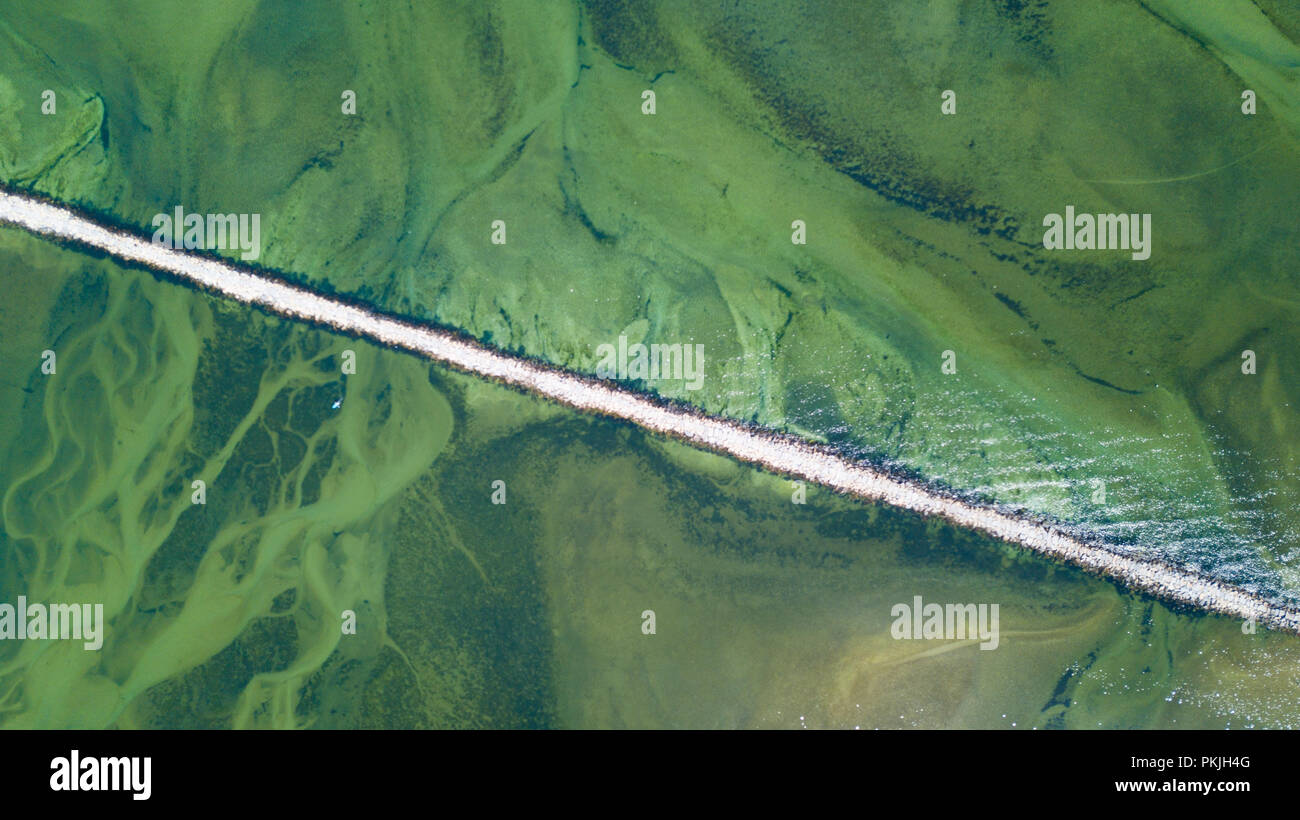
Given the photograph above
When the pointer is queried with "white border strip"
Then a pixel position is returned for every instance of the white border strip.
(778, 453)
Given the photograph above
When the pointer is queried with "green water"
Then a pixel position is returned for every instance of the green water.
(1074, 370)
(527, 613)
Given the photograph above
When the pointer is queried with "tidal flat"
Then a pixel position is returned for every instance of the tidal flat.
(1103, 390)
(375, 494)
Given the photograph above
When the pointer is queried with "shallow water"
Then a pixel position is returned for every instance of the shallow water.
(527, 613)
(1101, 390)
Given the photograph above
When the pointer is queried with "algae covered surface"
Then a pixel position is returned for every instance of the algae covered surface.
(501, 175)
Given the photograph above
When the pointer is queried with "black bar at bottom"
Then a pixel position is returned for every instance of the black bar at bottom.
(335, 770)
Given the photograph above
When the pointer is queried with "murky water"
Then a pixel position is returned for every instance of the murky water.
(1101, 390)
(524, 613)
